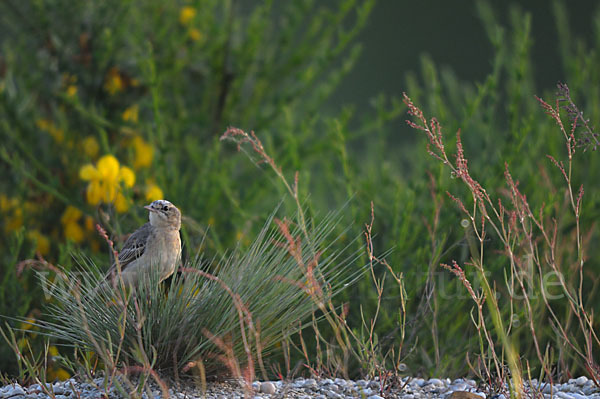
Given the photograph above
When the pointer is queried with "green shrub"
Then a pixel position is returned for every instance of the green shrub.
(155, 84)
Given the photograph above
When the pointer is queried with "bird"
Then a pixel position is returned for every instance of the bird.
(155, 244)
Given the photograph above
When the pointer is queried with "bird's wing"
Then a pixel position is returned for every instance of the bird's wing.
(133, 248)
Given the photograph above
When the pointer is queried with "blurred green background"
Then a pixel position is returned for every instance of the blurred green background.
(105, 106)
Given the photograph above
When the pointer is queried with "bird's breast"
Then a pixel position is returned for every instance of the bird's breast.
(165, 250)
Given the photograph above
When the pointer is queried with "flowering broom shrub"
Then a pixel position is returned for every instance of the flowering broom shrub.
(107, 106)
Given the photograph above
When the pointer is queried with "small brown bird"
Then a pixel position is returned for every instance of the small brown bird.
(155, 244)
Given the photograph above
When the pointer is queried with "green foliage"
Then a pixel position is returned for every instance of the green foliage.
(12, 300)
(156, 83)
(501, 122)
(92, 92)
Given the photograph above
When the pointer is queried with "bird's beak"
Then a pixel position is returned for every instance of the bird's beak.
(150, 208)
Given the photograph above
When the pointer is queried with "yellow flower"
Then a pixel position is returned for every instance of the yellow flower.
(71, 90)
(108, 167)
(144, 153)
(70, 221)
(94, 192)
(28, 324)
(71, 214)
(73, 232)
(127, 176)
(53, 350)
(113, 82)
(121, 203)
(90, 146)
(109, 192)
(153, 192)
(105, 181)
(195, 34)
(42, 242)
(90, 225)
(131, 114)
(186, 15)
(58, 374)
(88, 172)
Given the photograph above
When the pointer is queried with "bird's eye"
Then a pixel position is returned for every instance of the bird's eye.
(165, 208)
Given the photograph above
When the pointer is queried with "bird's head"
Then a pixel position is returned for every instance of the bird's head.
(164, 214)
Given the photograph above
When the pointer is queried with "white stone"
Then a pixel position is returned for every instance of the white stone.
(547, 389)
(564, 395)
(374, 397)
(581, 380)
(461, 386)
(256, 385)
(268, 387)
(417, 381)
(14, 391)
(437, 382)
(58, 389)
(310, 383)
(34, 388)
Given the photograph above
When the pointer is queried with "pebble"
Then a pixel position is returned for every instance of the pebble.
(563, 395)
(14, 391)
(268, 387)
(581, 380)
(436, 382)
(309, 388)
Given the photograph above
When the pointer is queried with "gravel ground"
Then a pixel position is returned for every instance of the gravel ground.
(415, 388)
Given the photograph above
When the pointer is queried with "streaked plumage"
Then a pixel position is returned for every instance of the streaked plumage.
(155, 244)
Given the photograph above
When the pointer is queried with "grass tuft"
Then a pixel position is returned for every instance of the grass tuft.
(220, 315)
